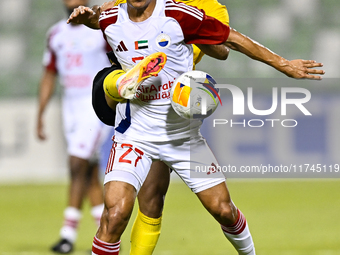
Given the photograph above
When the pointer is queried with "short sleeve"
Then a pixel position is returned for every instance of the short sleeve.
(197, 27)
(49, 57)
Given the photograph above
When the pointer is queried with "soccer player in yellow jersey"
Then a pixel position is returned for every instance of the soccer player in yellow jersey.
(146, 228)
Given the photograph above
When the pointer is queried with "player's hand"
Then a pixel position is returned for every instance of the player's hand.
(40, 130)
(84, 15)
(304, 69)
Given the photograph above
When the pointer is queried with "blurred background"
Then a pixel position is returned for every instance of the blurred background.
(307, 29)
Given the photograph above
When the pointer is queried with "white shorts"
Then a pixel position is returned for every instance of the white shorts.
(130, 162)
(84, 132)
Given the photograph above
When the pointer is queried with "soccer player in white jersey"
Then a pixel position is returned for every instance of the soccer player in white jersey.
(75, 54)
(148, 129)
(298, 71)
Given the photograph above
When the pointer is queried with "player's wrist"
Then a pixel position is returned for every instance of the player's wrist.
(93, 21)
(283, 65)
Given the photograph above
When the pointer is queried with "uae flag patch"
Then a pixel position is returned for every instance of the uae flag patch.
(139, 45)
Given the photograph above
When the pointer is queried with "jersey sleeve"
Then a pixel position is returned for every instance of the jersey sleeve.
(49, 57)
(108, 17)
(197, 27)
(49, 61)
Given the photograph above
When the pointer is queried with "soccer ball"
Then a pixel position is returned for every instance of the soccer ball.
(194, 96)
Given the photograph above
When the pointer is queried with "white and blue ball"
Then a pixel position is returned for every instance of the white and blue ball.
(194, 95)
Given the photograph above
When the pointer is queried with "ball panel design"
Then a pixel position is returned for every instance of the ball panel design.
(194, 95)
(181, 94)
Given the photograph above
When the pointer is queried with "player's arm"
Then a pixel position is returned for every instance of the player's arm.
(298, 68)
(46, 89)
(220, 51)
(89, 16)
(86, 15)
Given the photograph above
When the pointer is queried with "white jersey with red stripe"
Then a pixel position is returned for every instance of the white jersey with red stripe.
(76, 53)
(172, 27)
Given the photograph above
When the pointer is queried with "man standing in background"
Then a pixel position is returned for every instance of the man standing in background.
(75, 54)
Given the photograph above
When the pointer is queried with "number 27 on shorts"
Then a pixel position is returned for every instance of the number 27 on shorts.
(124, 155)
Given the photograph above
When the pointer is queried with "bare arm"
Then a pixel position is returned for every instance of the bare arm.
(220, 51)
(46, 90)
(89, 16)
(298, 68)
(86, 15)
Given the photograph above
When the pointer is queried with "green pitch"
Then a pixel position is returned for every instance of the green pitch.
(286, 217)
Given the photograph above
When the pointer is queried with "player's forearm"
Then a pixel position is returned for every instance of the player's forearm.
(256, 51)
(86, 16)
(94, 20)
(220, 51)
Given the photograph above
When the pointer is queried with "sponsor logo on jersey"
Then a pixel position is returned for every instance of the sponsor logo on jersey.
(143, 44)
(163, 41)
(121, 47)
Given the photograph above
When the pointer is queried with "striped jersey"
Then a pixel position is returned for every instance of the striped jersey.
(76, 53)
(172, 28)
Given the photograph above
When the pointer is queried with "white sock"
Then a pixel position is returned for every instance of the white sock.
(71, 219)
(239, 235)
(96, 213)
